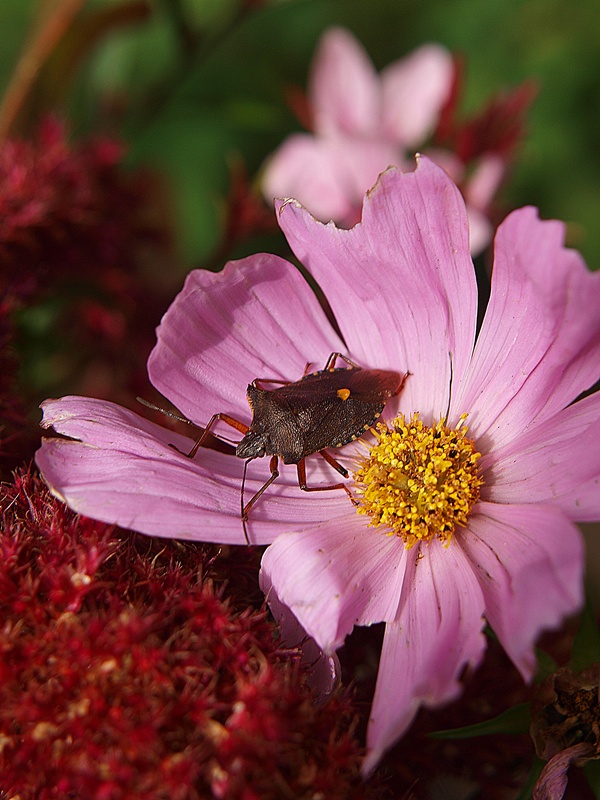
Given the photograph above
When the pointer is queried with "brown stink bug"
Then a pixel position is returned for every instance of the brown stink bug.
(324, 409)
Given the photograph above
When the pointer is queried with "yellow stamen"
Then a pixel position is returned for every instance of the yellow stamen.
(419, 481)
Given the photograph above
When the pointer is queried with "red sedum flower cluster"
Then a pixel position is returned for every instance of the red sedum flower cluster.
(75, 228)
(125, 673)
(64, 209)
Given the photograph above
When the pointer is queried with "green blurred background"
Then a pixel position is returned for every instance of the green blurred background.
(196, 84)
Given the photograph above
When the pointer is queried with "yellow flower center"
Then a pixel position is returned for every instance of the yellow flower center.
(418, 481)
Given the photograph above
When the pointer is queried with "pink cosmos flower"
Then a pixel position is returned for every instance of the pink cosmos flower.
(475, 524)
(363, 123)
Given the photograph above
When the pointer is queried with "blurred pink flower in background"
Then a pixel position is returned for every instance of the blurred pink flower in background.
(363, 122)
(490, 533)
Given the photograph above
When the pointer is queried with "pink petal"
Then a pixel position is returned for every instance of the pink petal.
(483, 184)
(436, 633)
(480, 231)
(448, 161)
(328, 175)
(401, 283)
(324, 670)
(344, 86)
(552, 782)
(529, 561)
(305, 167)
(557, 462)
(414, 91)
(336, 576)
(257, 318)
(480, 228)
(125, 471)
(539, 346)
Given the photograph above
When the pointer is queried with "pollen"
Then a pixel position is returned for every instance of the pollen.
(417, 481)
(343, 394)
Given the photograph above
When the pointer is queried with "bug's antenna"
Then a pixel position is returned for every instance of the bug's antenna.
(171, 414)
(244, 519)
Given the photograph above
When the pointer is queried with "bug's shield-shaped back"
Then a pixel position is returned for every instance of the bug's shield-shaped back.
(325, 409)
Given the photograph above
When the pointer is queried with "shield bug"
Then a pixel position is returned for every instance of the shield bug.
(322, 410)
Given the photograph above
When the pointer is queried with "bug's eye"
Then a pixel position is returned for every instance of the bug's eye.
(251, 446)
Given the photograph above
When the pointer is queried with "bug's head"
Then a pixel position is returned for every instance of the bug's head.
(253, 445)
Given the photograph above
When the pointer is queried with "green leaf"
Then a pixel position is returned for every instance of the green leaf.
(546, 665)
(527, 789)
(514, 720)
(586, 646)
(592, 773)
(191, 150)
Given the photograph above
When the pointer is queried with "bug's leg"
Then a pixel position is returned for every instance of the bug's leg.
(257, 381)
(334, 357)
(305, 488)
(342, 470)
(307, 367)
(333, 463)
(205, 431)
(274, 475)
(234, 423)
(242, 515)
